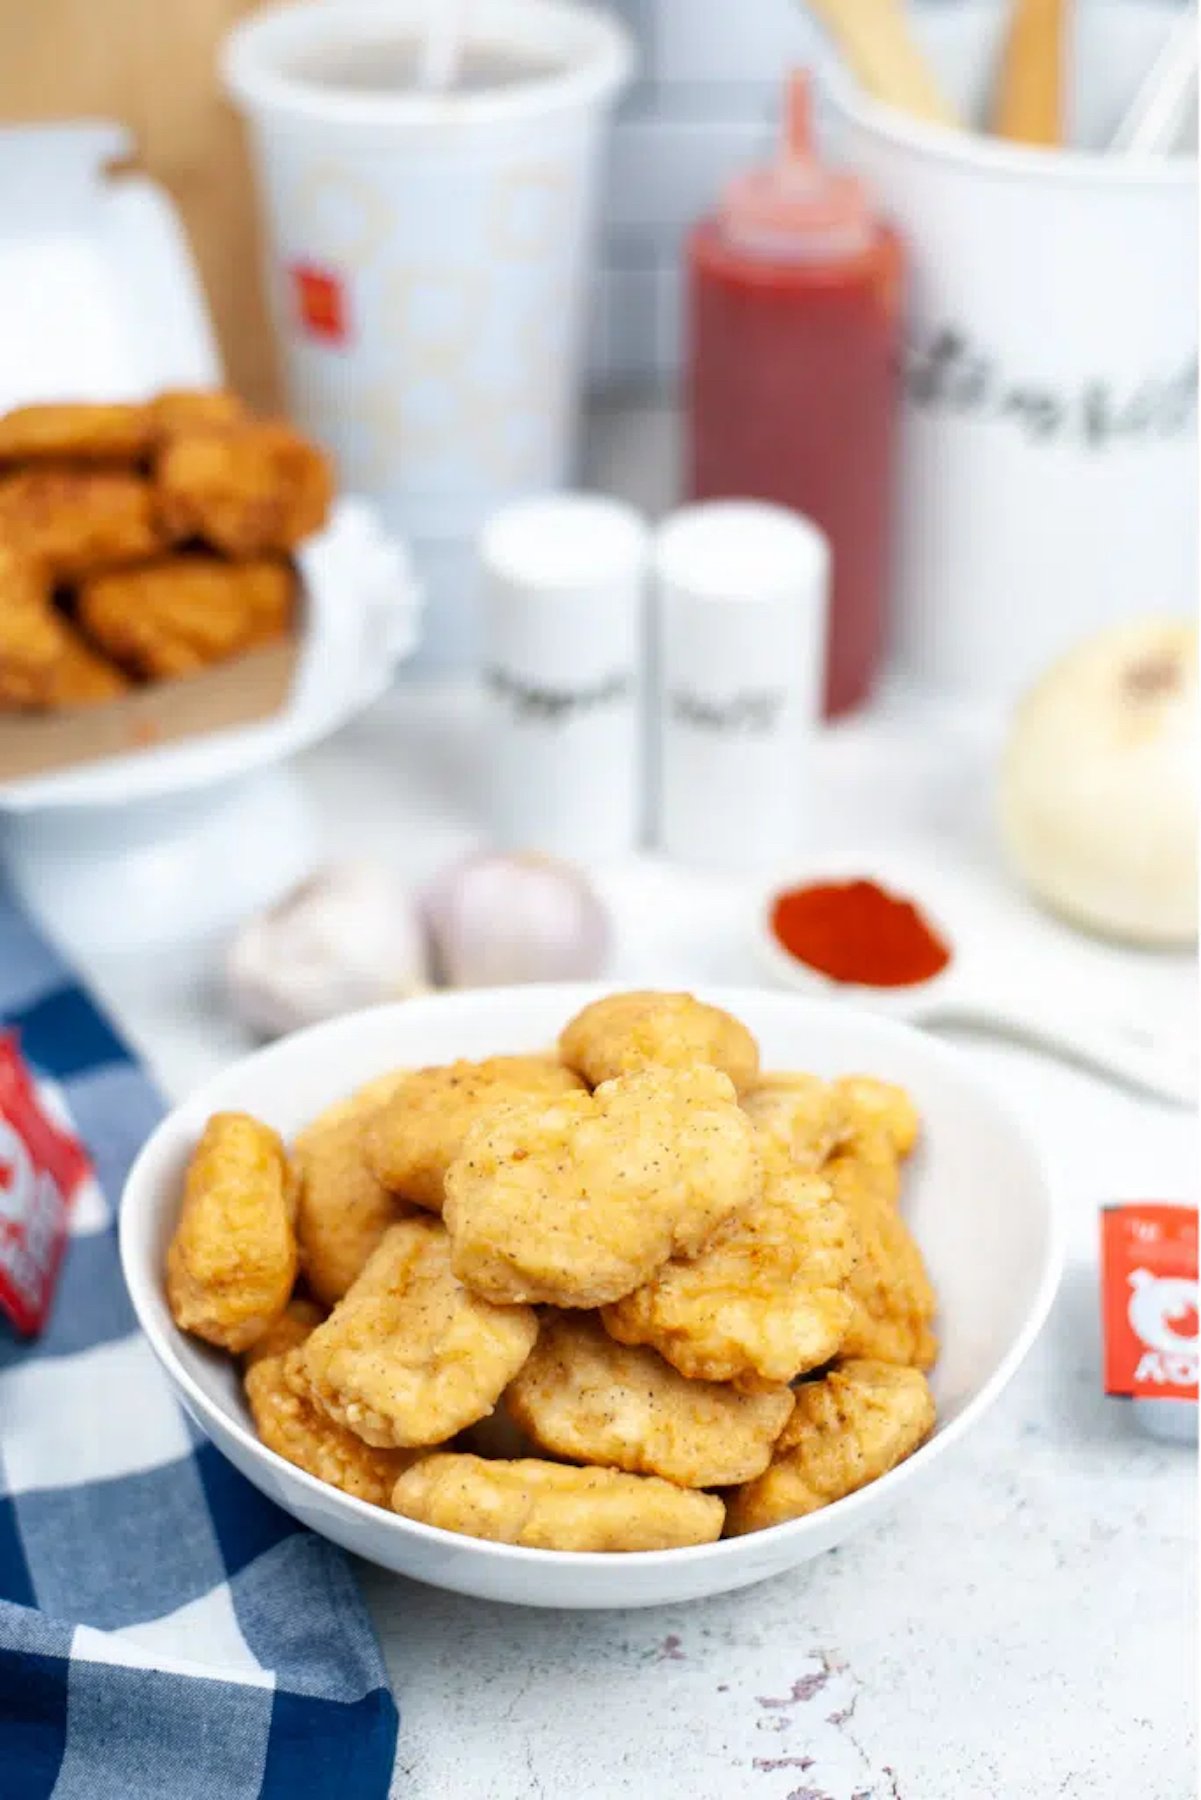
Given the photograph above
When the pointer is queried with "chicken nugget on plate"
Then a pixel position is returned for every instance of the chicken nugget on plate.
(415, 1138)
(585, 1397)
(299, 1317)
(81, 677)
(550, 1506)
(181, 410)
(292, 1426)
(408, 1356)
(75, 521)
(765, 1300)
(805, 1115)
(180, 614)
(577, 1200)
(893, 1297)
(872, 1103)
(626, 1032)
(343, 1208)
(249, 489)
(232, 1262)
(31, 633)
(76, 432)
(847, 1430)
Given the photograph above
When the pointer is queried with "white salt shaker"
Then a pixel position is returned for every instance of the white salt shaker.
(563, 637)
(740, 631)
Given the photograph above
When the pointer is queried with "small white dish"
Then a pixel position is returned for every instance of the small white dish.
(977, 1197)
(1124, 1043)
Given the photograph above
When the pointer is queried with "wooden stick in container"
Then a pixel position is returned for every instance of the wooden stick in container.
(879, 47)
(1029, 104)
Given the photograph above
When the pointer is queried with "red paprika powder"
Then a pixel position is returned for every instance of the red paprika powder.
(855, 931)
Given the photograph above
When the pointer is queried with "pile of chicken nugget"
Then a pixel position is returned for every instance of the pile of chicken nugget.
(143, 542)
(629, 1296)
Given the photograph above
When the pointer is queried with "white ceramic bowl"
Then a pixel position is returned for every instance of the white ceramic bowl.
(977, 1197)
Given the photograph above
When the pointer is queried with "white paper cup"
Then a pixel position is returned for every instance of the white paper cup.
(429, 254)
(1048, 467)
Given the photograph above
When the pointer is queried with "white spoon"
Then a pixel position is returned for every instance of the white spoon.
(1141, 1053)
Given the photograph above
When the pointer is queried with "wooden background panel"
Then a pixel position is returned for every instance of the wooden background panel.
(152, 64)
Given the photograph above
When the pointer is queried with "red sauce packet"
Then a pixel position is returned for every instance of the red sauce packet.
(1149, 1300)
(41, 1167)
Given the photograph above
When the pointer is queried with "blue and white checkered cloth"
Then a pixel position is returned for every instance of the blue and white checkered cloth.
(166, 1633)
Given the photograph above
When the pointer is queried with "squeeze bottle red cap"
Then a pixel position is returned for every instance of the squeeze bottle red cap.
(796, 209)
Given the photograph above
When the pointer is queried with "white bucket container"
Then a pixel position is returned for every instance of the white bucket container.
(1049, 468)
(430, 254)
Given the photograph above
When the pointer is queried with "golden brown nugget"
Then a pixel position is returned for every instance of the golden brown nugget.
(417, 1136)
(578, 1200)
(765, 1300)
(77, 521)
(250, 489)
(183, 410)
(298, 1319)
(894, 1300)
(550, 1506)
(624, 1033)
(409, 1356)
(587, 1398)
(231, 1265)
(343, 1209)
(881, 1104)
(806, 1116)
(292, 1426)
(179, 614)
(31, 632)
(80, 677)
(76, 432)
(497, 1437)
(847, 1430)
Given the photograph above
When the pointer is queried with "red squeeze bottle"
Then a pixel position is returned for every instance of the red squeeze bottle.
(793, 383)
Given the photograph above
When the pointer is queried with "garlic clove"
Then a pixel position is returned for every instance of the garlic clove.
(1099, 784)
(348, 937)
(502, 918)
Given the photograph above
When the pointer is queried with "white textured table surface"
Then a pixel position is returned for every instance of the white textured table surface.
(1023, 1631)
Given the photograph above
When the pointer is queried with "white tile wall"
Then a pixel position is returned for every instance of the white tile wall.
(706, 103)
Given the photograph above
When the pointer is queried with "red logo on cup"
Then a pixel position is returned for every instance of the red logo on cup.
(320, 303)
(1149, 1287)
(41, 1166)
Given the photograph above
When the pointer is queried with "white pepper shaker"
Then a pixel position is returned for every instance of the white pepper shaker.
(563, 635)
(740, 639)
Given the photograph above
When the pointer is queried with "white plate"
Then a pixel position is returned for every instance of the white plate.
(362, 614)
(977, 1196)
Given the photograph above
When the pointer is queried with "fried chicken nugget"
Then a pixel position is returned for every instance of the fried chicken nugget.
(43, 661)
(76, 432)
(847, 1430)
(585, 1397)
(295, 1322)
(409, 1356)
(76, 521)
(183, 410)
(179, 614)
(578, 1200)
(626, 1032)
(550, 1506)
(343, 1208)
(252, 488)
(806, 1116)
(289, 1423)
(417, 1136)
(765, 1300)
(231, 1265)
(871, 1102)
(894, 1301)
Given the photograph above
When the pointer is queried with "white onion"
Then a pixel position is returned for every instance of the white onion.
(1098, 799)
(499, 918)
(348, 937)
